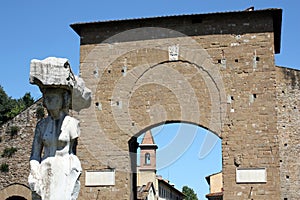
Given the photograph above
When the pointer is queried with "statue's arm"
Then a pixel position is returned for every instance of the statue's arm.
(35, 158)
(73, 146)
(37, 145)
(74, 134)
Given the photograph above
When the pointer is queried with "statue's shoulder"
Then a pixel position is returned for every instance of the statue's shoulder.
(43, 122)
(70, 120)
(70, 123)
(70, 126)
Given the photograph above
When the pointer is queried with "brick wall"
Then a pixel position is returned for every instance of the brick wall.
(224, 80)
(18, 163)
(288, 112)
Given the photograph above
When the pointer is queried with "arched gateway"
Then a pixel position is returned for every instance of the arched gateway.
(213, 70)
(16, 192)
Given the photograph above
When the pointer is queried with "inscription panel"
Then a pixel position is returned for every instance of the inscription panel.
(99, 178)
(251, 175)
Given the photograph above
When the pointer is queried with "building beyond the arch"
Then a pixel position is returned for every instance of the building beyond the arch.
(146, 174)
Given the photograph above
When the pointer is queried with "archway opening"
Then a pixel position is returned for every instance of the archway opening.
(180, 154)
(16, 198)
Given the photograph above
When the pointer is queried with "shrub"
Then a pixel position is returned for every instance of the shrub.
(14, 130)
(4, 167)
(40, 112)
(8, 152)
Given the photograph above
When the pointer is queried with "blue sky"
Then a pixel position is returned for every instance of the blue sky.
(39, 29)
(187, 167)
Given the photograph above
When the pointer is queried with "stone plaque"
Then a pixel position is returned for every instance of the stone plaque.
(251, 175)
(100, 178)
(173, 52)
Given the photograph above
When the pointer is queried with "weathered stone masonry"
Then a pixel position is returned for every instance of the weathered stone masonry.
(288, 116)
(224, 79)
(227, 62)
(14, 182)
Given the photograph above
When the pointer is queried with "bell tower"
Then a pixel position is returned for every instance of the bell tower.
(147, 169)
(148, 153)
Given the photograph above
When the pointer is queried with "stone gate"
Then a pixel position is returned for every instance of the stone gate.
(214, 70)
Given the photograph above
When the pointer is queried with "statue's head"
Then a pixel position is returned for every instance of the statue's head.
(57, 99)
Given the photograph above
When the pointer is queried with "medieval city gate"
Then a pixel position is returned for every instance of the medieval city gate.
(213, 70)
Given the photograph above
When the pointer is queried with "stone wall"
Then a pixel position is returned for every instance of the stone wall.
(16, 190)
(288, 112)
(224, 80)
(21, 140)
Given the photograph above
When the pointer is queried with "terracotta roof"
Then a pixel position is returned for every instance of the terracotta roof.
(145, 188)
(148, 141)
(161, 180)
(215, 196)
(148, 138)
(143, 191)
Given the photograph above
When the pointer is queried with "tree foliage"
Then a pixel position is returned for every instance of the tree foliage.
(189, 193)
(10, 107)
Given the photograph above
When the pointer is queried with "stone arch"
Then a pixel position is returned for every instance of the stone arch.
(185, 144)
(193, 88)
(216, 94)
(16, 198)
(207, 109)
(110, 52)
(123, 91)
(115, 55)
(120, 82)
(181, 141)
(16, 191)
(150, 126)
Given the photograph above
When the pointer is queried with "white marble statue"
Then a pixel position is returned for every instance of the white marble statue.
(54, 167)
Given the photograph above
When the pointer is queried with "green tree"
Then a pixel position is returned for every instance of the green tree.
(27, 100)
(6, 105)
(16, 108)
(10, 107)
(189, 193)
(19, 105)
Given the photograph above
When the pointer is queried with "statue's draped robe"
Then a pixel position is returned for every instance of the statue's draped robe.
(54, 176)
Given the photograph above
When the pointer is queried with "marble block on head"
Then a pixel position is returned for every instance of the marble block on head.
(51, 72)
(56, 73)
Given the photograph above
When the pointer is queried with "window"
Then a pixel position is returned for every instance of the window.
(147, 159)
